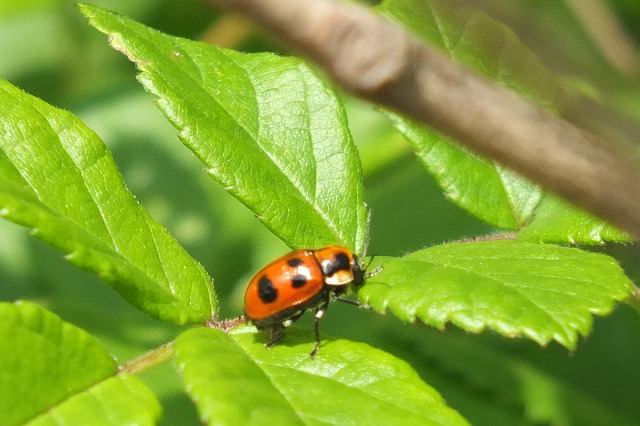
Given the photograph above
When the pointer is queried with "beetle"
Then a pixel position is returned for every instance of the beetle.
(281, 292)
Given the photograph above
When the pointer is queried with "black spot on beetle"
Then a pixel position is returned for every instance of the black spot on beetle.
(295, 262)
(298, 281)
(338, 263)
(266, 292)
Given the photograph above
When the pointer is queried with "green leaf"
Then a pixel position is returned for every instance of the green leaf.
(268, 129)
(120, 400)
(492, 193)
(58, 178)
(556, 220)
(226, 385)
(543, 292)
(56, 373)
(236, 380)
(500, 197)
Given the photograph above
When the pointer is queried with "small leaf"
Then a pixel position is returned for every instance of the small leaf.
(120, 400)
(500, 197)
(242, 382)
(57, 177)
(494, 194)
(543, 292)
(556, 220)
(50, 366)
(267, 128)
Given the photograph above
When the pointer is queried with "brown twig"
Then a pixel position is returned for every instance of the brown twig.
(380, 61)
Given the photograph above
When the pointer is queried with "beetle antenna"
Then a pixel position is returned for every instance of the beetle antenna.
(376, 271)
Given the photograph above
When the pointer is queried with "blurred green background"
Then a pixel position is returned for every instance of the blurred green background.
(49, 50)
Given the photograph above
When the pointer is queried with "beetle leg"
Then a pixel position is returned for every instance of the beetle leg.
(349, 301)
(320, 310)
(274, 333)
(353, 302)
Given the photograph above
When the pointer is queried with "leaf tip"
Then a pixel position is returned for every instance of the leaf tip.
(86, 9)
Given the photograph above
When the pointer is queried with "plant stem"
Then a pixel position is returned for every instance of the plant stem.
(150, 359)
